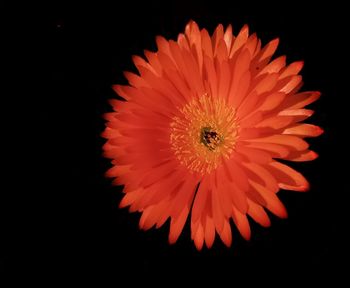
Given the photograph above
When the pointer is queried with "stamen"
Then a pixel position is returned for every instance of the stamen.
(203, 133)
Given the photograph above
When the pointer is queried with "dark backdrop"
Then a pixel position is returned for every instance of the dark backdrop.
(81, 233)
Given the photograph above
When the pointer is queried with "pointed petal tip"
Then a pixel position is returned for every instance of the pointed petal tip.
(276, 41)
(245, 27)
(171, 240)
(199, 245)
(302, 188)
(320, 131)
(305, 188)
(266, 224)
(209, 245)
(314, 155)
(284, 214)
(122, 205)
(247, 236)
(301, 63)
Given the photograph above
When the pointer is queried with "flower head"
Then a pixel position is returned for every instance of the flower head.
(201, 130)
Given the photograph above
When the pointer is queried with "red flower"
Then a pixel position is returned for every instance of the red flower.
(202, 128)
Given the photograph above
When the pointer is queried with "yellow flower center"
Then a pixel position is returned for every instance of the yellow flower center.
(204, 132)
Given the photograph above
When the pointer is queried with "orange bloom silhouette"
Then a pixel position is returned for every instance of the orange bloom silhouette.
(201, 130)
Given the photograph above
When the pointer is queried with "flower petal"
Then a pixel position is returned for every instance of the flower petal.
(287, 140)
(254, 155)
(209, 232)
(272, 202)
(292, 69)
(240, 40)
(199, 237)
(300, 156)
(177, 224)
(261, 175)
(226, 234)
(258, 214)
(300, 100)
(236, 174)
(201, 198)
(242, 223)
(288, 178)
(272, 101)
(275, 66)
(305, 130)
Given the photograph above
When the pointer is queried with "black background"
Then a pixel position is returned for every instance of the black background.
(78, 230)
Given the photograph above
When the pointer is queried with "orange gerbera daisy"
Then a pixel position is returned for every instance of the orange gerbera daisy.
(201, 129)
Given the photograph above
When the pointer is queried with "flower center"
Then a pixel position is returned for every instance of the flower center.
(210, 138)
(203, 133)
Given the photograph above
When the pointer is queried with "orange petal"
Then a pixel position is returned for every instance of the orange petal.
(298, 156)
(298, 114)
(218, 215)
(117, 171)
(157, 192)
(218, 35)
(135, 80)
(276, 122)
(224, 79)
(292, 69)
(228, 37)
(162, 213)
(144, 218)
(193, 73)
(251, 44)
(275, 66)
(130, 198)
(272, 201)
(221, 51)
(251, 120)
(211, 74)
(226, 234)
(183, 195)
(176, 225)
(261, 175)
(266, 83)
(258, 214)
(291, 84)
(251, 133)
(199, 237)
(306, 130)
(242, 223)
(254, 155)
(287, 140)
(201, 197)
(236, 174)
(223, 193)
(272, 101)
(206, 44)
(238, 197)
(300, 100)
(248, 105)
(178, 57)
(154, 62)
(240, 40)
(209, 232)
(264, 56)
(182, 41)
(122, 91)
(241, 78)
(163, 45)
(158, 215)
(288, 178)
(141, 63)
